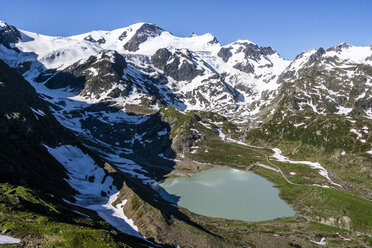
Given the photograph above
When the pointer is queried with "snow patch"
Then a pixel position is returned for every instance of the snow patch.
(359, 135)
(222, 135)
(321, 242)
(163, 132)
(344, 111)
(299, 124)
(118, 211)
(315, 165)
(8, 240)
(38, 111)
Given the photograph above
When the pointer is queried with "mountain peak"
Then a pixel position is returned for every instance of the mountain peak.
(3, 24)
(241, 42)
(8, 35)
(251, 50)
(146, 31)
(339, 47)
(192, 35)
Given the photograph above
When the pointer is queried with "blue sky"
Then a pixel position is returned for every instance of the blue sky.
(289, 26)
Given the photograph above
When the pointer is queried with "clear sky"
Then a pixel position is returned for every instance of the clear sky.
(289, 26)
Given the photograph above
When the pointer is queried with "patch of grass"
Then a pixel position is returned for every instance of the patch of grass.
(229, 154)
(183, 122)
(327, 133)
(322, 204)
(32, 217)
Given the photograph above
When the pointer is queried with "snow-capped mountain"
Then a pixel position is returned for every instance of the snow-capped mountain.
(241, 80)
(336, 80)
(194, 72)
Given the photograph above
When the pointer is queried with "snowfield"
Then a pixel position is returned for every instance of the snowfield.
(90, 180)
(4, 239)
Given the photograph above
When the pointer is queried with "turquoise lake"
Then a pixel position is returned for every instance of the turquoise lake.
(228, 193)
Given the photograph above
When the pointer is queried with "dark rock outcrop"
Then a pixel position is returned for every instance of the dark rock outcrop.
(8, 35)
(339, 47)
(315, 57)
(123, 35)
(224, 53)
(253, 51)
(25, 126)
(99, 41)
(170, 64)
(95, 75)
(244, 67)
(142, 34)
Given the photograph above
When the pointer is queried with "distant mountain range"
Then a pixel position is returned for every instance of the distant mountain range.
(238, 80)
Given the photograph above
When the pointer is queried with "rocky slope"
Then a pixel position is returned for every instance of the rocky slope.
(26, 123)
(240, 77)
(336, 80)
(238, 80)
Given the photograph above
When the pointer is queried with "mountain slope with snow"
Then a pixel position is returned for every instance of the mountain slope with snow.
(335, 81)
(240, 80)
(248, 85)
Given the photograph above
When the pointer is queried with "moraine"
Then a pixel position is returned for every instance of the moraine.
(227, 193)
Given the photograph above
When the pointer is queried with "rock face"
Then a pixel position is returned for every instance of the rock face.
(339, 48)
(99, 41)
(8, 35)
(316, 82)
(202, 88)
(249, 51)
(224, 53)
(145, 32)
(315, 57)
(244, 67)
(253, 51)
(94, 76)
(25, 124)
(178, 65)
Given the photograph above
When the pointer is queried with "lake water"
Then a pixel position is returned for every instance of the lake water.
(227, 193)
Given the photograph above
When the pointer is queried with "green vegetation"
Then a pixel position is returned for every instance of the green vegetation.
(41, 220)
(281, 232)
(326, 132)
(325, 139)
(229, 154)
(182, 123)
(324, 204)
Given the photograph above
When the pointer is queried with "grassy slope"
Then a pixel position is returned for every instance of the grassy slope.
(323, 139)
(40, 220)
